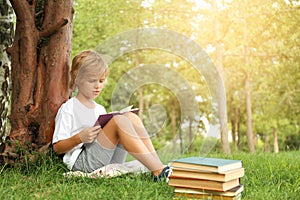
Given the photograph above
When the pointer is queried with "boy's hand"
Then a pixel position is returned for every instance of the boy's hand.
(88, 135)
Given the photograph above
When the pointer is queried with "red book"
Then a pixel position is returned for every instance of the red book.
(104, 118)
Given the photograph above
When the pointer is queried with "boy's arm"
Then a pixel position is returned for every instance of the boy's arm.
(87, 135)
(66, 145)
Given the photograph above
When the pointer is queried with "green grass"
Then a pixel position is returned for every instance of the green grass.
(267, 176)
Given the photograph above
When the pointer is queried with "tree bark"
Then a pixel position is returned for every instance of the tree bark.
(40, 66)
(6, 38)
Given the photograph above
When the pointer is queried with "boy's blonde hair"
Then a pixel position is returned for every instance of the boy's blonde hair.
(85, 64)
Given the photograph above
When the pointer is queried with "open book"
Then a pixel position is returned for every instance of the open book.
(104, 118)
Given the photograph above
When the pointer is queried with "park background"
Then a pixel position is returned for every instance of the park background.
(255, 47)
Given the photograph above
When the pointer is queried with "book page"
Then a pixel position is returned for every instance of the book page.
(126, 109)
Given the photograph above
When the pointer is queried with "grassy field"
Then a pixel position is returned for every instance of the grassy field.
(267, 176)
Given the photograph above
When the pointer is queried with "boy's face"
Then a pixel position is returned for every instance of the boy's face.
(90, 87)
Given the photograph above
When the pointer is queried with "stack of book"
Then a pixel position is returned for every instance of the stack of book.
(206, 178)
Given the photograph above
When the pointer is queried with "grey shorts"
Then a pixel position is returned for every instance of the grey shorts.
(94, 156)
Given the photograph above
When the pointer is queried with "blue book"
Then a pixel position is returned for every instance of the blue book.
(206, 164)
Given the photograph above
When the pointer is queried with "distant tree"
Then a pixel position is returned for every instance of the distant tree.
(40, 56)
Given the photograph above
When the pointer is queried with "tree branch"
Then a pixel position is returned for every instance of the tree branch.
(22, 9)
(34, 2)
(53, 29)
(38, 13)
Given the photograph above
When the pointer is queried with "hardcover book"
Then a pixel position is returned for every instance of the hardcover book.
(206, 196)
(206, 164)
(230, 193)
(203, 184)
(196, 174)
(104, 118)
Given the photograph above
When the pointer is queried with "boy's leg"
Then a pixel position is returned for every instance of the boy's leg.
(119, 155)
(140, 130)
(92, 157)
(121, 130)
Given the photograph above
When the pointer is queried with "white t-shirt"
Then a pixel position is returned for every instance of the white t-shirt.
(71, 118)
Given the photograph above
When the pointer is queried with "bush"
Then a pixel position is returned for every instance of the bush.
(292, 142)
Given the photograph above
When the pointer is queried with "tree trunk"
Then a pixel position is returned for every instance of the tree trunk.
(248, 91)
(233, 117)
(249, 116)
(238, 127)
(191, 135)
(267, 143)
(173, 124)
(40, 66)
(222, 108)
(233, 132)
(6, 38)
(140, 89)
(180, 138)
(276, 149)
